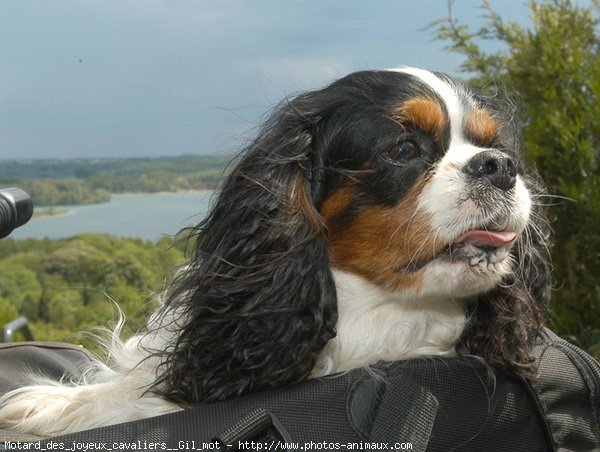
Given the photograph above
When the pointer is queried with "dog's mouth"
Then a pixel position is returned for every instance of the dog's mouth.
(485, 238)
(480, 248)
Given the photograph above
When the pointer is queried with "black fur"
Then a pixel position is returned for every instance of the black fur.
(260, 302)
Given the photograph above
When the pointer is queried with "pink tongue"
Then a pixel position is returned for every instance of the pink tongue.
(490, 239)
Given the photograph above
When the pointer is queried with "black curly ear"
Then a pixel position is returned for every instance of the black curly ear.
(258, 296)
(505, 322)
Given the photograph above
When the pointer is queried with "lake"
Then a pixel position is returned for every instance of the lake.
(147, 216)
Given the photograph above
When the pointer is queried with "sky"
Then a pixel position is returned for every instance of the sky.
(124, 78)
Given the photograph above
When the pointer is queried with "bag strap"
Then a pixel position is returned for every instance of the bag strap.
(567, 392)
(406, 415)
(258, 426)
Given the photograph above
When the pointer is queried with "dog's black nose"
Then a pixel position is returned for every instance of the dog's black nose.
(495, 167)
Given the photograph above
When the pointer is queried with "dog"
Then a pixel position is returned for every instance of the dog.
(384, 217)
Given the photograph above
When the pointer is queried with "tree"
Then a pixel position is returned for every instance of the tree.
(554, 69)
(18, 284)
(68, 287)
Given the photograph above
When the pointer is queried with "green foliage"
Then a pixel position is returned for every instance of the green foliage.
(51, 192)
(554, 68)
(86, 168)
(86, 181)
(71, 285)
(18, 284)
(8, 312)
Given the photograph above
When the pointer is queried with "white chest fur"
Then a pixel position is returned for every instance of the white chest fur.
(375, 325)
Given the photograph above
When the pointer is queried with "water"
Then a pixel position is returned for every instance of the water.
(146, 216)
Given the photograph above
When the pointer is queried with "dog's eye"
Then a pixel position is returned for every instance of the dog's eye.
(402, 153)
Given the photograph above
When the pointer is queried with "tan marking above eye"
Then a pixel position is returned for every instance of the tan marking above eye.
(425, 114)
(481, 126)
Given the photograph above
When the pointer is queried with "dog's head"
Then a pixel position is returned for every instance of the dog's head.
(405, 178)
(437, 199)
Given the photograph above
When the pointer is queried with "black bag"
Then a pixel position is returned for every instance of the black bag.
(428, 404)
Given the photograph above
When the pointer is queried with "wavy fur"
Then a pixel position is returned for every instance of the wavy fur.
(259, 275)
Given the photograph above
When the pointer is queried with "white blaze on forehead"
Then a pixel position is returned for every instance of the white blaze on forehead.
(454, 100)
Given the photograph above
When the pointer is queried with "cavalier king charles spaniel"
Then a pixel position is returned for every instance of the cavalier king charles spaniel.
(387, 216)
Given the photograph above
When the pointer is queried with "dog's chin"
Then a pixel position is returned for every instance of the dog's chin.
(464, 270)
(477, 259)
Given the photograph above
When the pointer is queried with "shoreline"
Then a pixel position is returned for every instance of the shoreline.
(51, 212)
(161, 193)
(44, 207)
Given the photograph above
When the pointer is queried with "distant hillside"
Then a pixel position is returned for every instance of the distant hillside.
(83, 181)
(66, 286)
